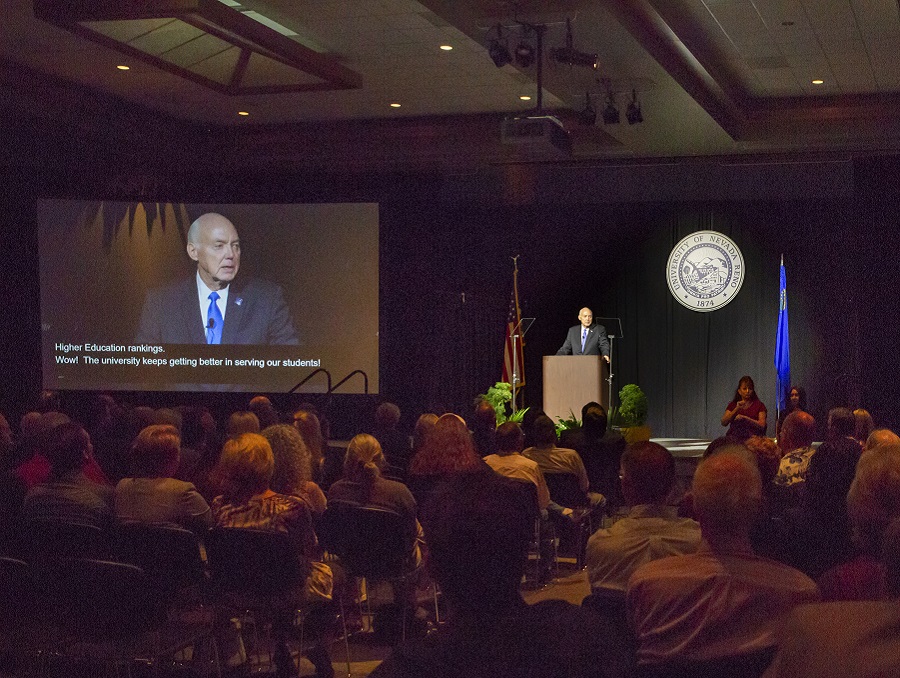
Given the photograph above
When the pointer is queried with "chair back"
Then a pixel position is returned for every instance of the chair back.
(254, 562)
(100, 600)
(564, 490)
(170, 556)
(52, 539)
(371, 542)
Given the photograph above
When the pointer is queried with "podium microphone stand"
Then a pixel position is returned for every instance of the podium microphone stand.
(614, 324)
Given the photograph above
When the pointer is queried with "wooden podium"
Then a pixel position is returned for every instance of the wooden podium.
(572, 381)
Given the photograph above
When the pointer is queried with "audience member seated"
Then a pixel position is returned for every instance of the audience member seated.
(69, 495)
(241, 422)
(879, 437)
(265, 412)
(447, 451)
(245, 472)
(152, 496)
(363, 485)
(816, 535)
(293, 466)
(394, 445)
(12, 489)
(796, 443)
(764, 535)
(651, 530)
(553, 459)
(36, 469)
(327, 463)
(601, 449)
(847, 639)
(723, 602)
(796, 402)
(423, 428)
(509, 462)
(478, 534)
(197, 430)
(484, 425)
(864, 425)
(873, 502)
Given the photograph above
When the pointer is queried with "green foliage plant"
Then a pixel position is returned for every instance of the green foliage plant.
(632, 410)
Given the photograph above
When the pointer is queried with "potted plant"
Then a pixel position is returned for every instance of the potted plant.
(631, 415)
(499, 396)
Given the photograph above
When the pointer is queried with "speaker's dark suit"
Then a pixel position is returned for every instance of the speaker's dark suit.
(597, 343)
(256, 314)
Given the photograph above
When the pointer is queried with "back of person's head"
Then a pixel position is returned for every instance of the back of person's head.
(155, 452)
(387, 416)
(195, 425)
(717, 444)
(879, 437)
(448, 449)
(478, 529)
(797, 431)
(241, 422)
(727, 493)
(767, 455)
(873, 501)
(510, 438)
(544, 431)
(841, 422)
(6, 440)
(423, 428)
(593, 420)
(293, 462)
(48, 401)
(168, 416)
(364, 459)
(485, 416)
(864, 424)
(245, 467)
(648, 473)
(262, 407)
(307, 423)
(68, 448)
(828, 478)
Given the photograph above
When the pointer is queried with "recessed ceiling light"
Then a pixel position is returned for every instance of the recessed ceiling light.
(123, 67)
(243, 113)
(395, 105)
(525, 97)
(817, 81)
(446, 48)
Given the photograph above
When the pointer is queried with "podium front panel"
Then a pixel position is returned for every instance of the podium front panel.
(572, 381)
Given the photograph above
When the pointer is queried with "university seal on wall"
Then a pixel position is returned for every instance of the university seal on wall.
(705, 271)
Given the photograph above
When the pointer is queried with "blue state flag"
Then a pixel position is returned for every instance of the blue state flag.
(782, 345)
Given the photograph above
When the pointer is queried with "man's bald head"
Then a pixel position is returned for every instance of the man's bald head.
(727, 494)
(586, 316)
(214, 244)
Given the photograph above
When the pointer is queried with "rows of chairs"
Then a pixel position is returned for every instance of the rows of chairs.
(120, 595)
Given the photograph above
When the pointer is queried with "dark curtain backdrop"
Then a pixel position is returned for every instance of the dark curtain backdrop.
(446, 272)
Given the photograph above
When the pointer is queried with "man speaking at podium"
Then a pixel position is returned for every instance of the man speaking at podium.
(586, 338)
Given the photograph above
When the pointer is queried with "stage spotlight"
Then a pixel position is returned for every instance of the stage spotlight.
(611, 113)
(588, 116)
(633, 113)
(498, 50)
(524, 54)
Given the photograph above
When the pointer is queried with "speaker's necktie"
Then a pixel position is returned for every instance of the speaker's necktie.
(214, 321)
(583, 338)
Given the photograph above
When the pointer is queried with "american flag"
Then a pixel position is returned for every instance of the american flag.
(512, 320)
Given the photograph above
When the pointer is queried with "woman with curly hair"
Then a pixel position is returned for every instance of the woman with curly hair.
(293, 466)
(448, 450)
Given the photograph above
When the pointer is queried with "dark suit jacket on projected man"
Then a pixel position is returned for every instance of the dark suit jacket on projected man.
(246, 311)
(596, 342)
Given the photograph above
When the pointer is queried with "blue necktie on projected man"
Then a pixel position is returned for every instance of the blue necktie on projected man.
(214, 321)
(782, 346)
